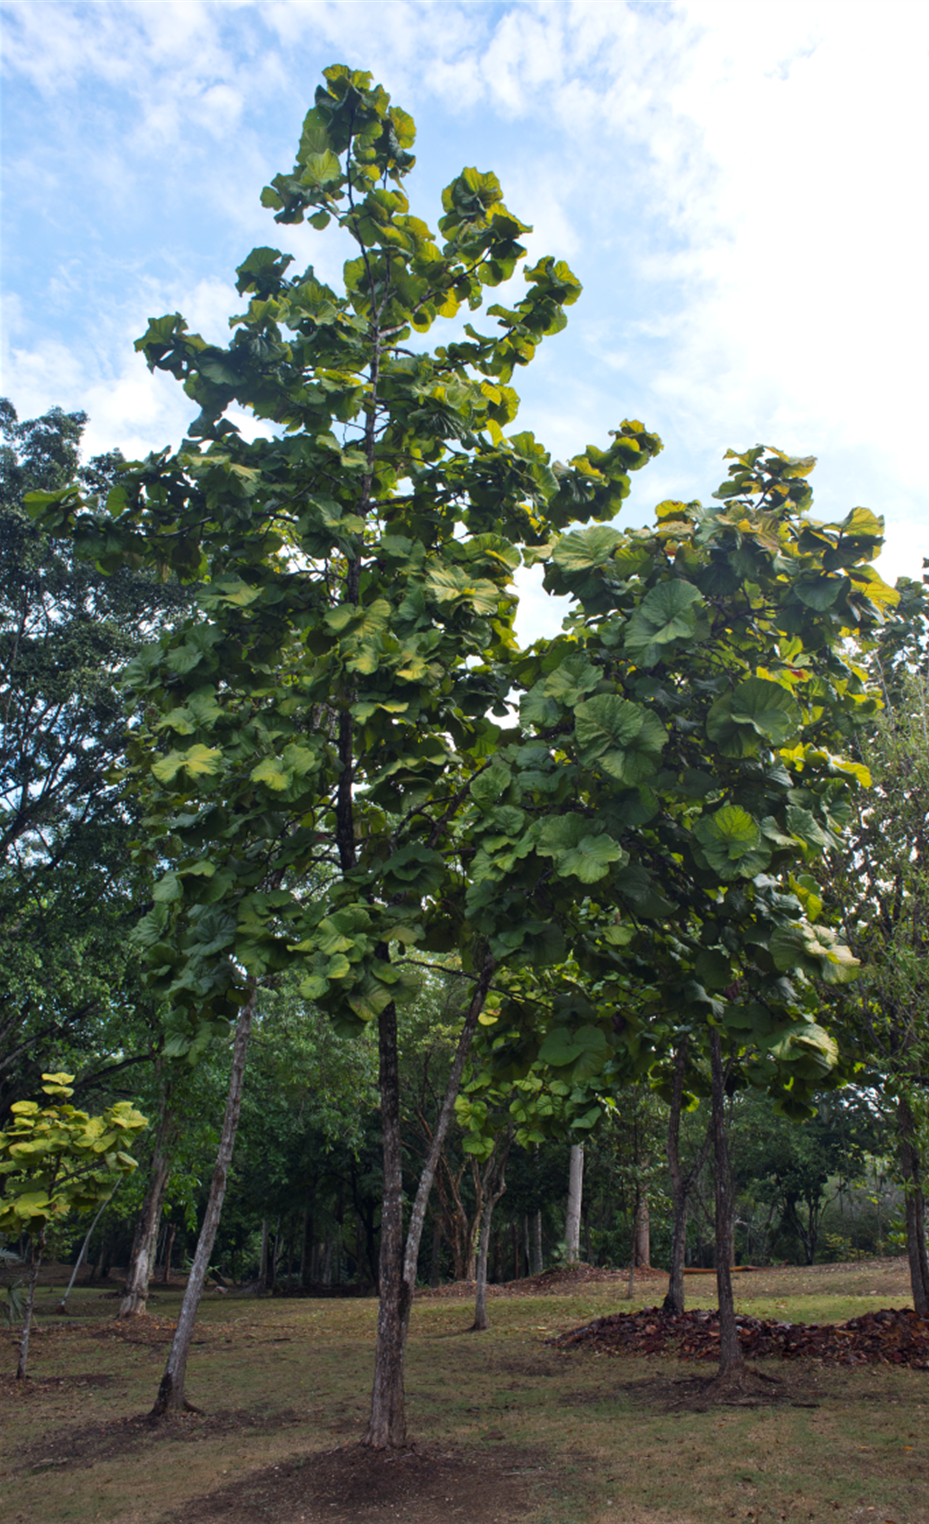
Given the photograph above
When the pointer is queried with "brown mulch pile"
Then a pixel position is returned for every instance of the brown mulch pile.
(892, 1336)
(559, 1281)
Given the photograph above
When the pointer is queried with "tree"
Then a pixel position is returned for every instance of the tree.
(879, 888)
(57, 1160)
(68, 892)
(684, 773)
(328, 711)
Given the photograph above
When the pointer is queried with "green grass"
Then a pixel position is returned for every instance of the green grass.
(618, 1440)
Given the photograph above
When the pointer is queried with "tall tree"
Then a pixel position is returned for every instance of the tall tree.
(68, 891)
(684, 773)
(328, 712)
(880, 889)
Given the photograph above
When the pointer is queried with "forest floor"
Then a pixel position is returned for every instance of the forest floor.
(505, 1426)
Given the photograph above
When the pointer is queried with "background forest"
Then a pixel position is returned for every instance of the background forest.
(304, 1201)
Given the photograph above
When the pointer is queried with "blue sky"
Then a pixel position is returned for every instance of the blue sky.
(740, 187)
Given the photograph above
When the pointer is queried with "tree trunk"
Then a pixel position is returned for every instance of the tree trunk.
(171, 1398)
(681, 1184)
(169, 1249)
(276, 1253)
(538, 1263)
(642, 1235)
(263, 1281)
(63, 1304)
(387, 1423)
(572, 1227)
(418, 1214)
(915, 1205)
(731, 1361)
(142, 1258)
(38, 1245)
(435, 1265)
(494, 1187)
(305, 1249)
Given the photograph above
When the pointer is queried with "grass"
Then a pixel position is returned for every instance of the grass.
(598, 1440)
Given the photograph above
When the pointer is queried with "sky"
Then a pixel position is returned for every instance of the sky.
(740, 187)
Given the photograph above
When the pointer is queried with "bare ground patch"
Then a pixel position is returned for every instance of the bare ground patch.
(87, 1444)
(354, 1484)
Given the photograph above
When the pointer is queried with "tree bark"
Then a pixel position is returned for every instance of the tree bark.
(642, 1234)
(572, 1228)
(731, 1361)
(171, 1397)
(915, 1206)
(38, 1245)
(682, 1183)
(387, 1423)
(418, 1214)
(538, 1263)
(169, 1247)
(397, 1269)
(494, 1187)
(142, 1258)
(263, 1257)
(434, 1268)
(63, 1304)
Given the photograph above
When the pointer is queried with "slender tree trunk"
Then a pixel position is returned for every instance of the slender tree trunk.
(418, 1214)
(276, 1255)
(572, 1228)
(474, 1226)
(642, 1234)
(171, 1398)
(38, 1245)
(387, 1424)
(915, 1206)
(674, 1300)
(434, 1268)
(681, 1184)
(397, 1269)
(305, 1249)
(63, 1304)
(263, 1256)
(494, 1187)
(538, 1263)
(169, 1249)
(514, 1239)
(731, 1361)
(142, 1258)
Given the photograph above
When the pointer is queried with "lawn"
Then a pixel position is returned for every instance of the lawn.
(504, 1426)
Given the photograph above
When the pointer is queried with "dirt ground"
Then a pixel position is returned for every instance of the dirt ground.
(504, 1426)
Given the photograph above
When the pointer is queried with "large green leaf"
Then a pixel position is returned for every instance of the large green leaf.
(732, 842)
(755, 708)
(578, 849)
(584, 549)
(814, 949)
(623, 739)
(666, 614)
(198, 761)
(581, 1053)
